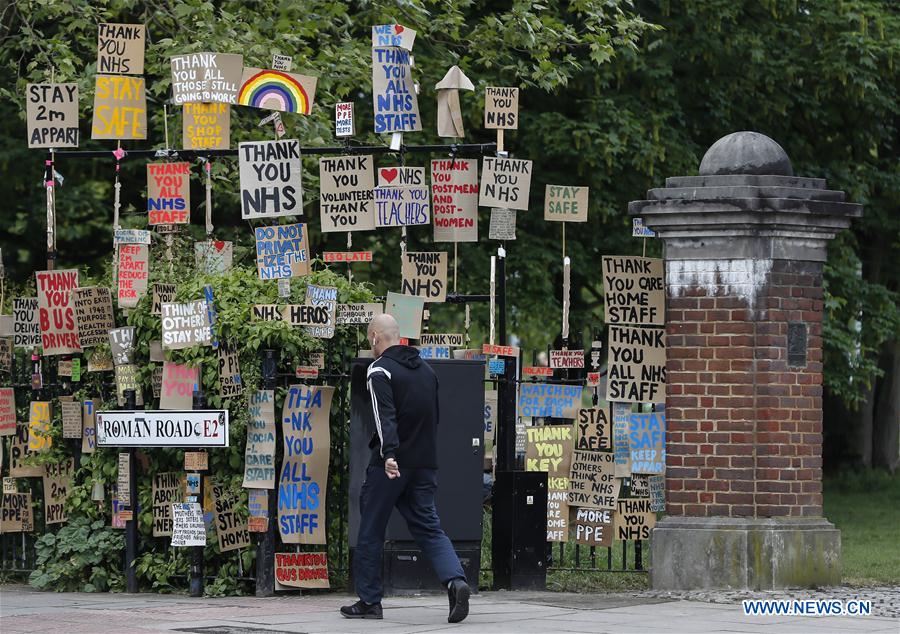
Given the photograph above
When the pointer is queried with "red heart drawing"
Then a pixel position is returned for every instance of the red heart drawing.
(389, 174)
(398, 29)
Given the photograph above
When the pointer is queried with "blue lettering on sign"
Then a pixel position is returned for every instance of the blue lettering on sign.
(646, 439)
(496, 366)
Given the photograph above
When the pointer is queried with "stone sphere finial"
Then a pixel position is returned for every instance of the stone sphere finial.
(746, 153)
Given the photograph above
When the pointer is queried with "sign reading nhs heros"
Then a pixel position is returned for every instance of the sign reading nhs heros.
(195, 428)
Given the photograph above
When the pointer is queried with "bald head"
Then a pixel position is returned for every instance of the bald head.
(384, 332)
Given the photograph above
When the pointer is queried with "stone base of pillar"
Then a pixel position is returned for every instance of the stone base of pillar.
(698, 553)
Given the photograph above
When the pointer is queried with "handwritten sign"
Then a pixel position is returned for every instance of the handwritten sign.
(545, 400)
(59, 330)
(259, 454)
(206, 126)
(594, 527)
(59, 478)
(321, 300)
(454, 198)
(7, 412)
(505, 183)
(88, 430)
(206, 77)
(162, 293)
(282, 251)
(185, 325)
(231, 531)
(501, 108)
(565, 204)
(26, 322)
(167, 490)
(393, 35)
(120, 48)
(301, 570)
(647, 442)
(197, 428)
(120, 108)
(178, 385)
(500, 351)
(449, 340)
(15, 513)
(657, 486)
(93, 314)
(213, 257)
(407, 310)
(357, 313)
(126, 379)
(633, 519)
(169, 193)
(538, 371)
(121, 345)
(270, 175)
(19, 450)
(277, 90)
(401, 206)
(39, 417)
(188, 528)
(549, 448)
(134, 271)
(593, 430)
(51, 113)
(634, 290)
(230, 382)
(639, 230)
(401, 176)
(503, 224)
(637, 365)
(303, 483)
(344, 124)
(393, 92)
(639, 485)
(563, 359)
(71, 419)
(592, 480)
(621, 447)
(258, 507)
(425, 275)
(123, 479)
(346, 193)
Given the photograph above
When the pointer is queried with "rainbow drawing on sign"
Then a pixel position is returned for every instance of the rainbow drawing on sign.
(275, 90)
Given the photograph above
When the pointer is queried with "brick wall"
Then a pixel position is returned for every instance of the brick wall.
(744, 430)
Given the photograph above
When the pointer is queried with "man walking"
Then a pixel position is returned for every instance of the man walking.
(402, 472)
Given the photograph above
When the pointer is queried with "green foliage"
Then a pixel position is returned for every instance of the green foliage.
(83, 556)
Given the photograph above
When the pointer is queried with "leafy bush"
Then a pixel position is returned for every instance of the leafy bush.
(83, 556)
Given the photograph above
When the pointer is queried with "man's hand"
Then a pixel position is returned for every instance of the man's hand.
(391, 468)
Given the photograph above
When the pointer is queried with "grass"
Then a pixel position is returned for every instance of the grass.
(865, 506)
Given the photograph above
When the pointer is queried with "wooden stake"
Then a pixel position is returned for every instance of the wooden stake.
(209, 224)
(499, 140)
(455, 260)
(166, 124)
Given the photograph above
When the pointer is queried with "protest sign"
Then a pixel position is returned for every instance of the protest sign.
(282, 251)
(7, 412)
(270, 312)
(133, 273)
(621, 446)
(638, 230)
(121, 345)
(505, 183)
(56, 315)
(633, 519)
(126, 379)
(213, 257)
(282, 62)
(59, 478)
(123, 479)
(357, 313)
(167, 490)
(393, 35)
(270, 175)
(592, 480)
(424, 275)
(120, 48)
(454, 198)
(301, 570)
(401, 206)
(51, 113)
(156, 375)
(196, 461)
(346, 193)
(502, 351)
(230, 382)
(71, 418)
(168, 193)
(647, 442)
(258, 507)
(634, 291)
(131, 236)
(549, 448)
(407, 310)
(185, 325)
(455, 340)
(490, 426)
(344, 123)
(63, 366)
(537, 371)
(15, 513)
(178, 384)
(563, 359)
(162, 293)
(638, 485)
(594, 527)
(206, 77)
(303, 483)
(231, 531)
(503, 224)
(323, 301)
(19, 450)
(120, 108)
(206, 126)
(188, 528)
(545, 400)
(434, 352)
(39, 417)
(501, 108)
(277, 90)
(259, 454)
(347, 256)
(637, 365)
(166, 428)
(593, 430)
(393, 92)
(88, 430)
(93, 314)
(26, 322)
(566, 204)
(657, 486)
(401, 176)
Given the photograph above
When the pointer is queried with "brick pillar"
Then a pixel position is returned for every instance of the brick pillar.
(744, 245)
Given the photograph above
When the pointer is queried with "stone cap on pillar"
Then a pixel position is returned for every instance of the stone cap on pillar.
(745, 204)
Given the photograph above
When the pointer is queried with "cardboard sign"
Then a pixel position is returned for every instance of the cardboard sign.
(162, 293)
(169, 193)
(346, 193)
(206, 126)
(59, 330)
(434, 352)
(167, 490)
(120, 108)
(594, 527)
(449, 111)
(503, 224)
(634, 290)
(322, 300)
(621, 447)
(88, 431)
(6, 354)
(303, 483)
(270, 175)
(59, 479)
(454, 198)
(545, 400)
(402, 206)
(282, 251)
(230, 382)
(401, 176)
(93, 314)
(344, 124)
(301, 570)
(393, 35)
(120, 48)
(126, 379)
(15, 513)
(196, 461)
(39, 416)
(231, 531)
(563, 359)
(282, 62)
(647, 442)
(259, 454)
(26, 322)
(407, 310)
(637, 365)
(131, 236)
(197, 428)
(19, 450)
(7, 411)
(592, 480)
(357, 313)
(347, 256)
(188, 528)
(71, 419)
(51, 112)
(123, 479)
(185, 325)
(394, 92)
(277, 90)
(549, 448)
(565, 204)
(639, 486)
(657, 486)
(206, 77)
(505, 183)
(424, 275)
(501, 351)
(530, 370)
(134, 271)
(501, 108)
(593, 430)
(440, 339)
(638, 230)
(178, 384)
(633, 519)
(121, 345)
(490, 426)
(258, 507)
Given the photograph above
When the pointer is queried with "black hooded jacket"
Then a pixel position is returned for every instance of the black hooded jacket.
(404, 392)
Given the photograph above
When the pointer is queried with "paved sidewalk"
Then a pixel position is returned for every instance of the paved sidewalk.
(23, 610)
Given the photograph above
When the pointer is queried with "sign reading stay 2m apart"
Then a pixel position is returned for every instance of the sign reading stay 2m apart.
(194, 428)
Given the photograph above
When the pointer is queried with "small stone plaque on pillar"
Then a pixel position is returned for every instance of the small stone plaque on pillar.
(796, 344)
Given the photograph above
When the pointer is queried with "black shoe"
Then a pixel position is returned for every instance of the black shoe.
(362, 610)
(458, 593)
